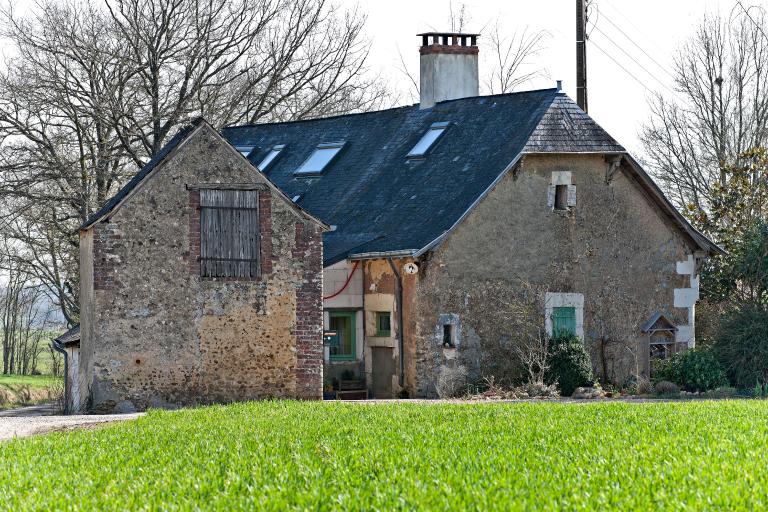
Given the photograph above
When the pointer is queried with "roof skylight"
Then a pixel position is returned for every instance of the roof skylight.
(320, 158)
(245, 150)
(270, 157)
(428, 140)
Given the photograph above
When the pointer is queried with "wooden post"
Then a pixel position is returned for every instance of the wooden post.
(581, 54)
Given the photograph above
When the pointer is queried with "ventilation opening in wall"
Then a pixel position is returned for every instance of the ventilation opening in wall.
(449, 336)
(561, 197)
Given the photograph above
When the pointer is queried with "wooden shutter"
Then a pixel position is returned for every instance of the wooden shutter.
(563, 321)
(551, 196)
(229, 233)
(571, 195)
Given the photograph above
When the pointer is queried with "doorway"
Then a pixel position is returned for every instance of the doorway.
(383, 369)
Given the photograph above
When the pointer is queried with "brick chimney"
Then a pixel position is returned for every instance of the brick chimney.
(448, 67)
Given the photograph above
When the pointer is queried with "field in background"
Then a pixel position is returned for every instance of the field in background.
(337, 456)
(21, 390)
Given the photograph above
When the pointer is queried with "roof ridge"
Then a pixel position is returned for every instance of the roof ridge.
(337, 116)
(498, 95)
(369, 112)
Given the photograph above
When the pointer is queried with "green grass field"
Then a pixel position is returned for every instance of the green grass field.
(33, 381)
(21, 390)
(403, 456)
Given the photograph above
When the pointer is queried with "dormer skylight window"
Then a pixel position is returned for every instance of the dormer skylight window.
(245, 150)
(273, 153)
(428, 140)
(320, 158)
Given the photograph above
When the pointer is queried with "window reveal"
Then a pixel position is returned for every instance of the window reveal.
(561, 197)
(449, 338)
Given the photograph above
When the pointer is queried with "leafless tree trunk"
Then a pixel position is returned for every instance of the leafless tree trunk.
(94, 90)
(721, 110)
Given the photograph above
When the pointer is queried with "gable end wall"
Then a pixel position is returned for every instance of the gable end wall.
(160, 336)
(614, 247)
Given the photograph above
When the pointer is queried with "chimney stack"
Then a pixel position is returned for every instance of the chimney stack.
(448, 68)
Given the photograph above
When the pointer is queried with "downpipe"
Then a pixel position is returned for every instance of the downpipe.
(399, 304)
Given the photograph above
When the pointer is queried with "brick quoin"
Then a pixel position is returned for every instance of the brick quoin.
(194, 232)
(265, 232)
(106, 239)
(265, 235)
(309, 313)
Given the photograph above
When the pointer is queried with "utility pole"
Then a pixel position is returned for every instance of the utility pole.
(581, 53)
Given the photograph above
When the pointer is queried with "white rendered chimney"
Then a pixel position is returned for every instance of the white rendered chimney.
(448, 67)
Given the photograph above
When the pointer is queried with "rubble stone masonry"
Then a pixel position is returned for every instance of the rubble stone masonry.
(158, 335)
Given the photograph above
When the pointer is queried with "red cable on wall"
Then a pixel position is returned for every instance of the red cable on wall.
(349, 278)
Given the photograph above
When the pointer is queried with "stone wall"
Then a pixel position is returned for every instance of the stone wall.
(159, 335)
(614, 247)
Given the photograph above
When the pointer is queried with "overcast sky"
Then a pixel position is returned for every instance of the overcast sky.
(617, 97)
(616, 100)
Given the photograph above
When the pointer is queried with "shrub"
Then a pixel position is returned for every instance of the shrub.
(569, 364)
(722, 392)
(451, 381)
(700, 370)
(665, 369)
(742, 345)
(643, 386)
(665, 387)
(540, 390)
(693, 370)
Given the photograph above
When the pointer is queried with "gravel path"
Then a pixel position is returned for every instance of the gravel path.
(31, 421)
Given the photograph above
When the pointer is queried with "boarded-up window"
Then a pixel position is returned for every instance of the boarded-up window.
(229, 233)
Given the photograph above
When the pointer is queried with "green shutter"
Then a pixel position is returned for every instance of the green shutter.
(563, 321)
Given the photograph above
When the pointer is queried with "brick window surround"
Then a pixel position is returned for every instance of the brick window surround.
(265, 233)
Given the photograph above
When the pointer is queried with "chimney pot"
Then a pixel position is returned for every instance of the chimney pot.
(449, 67)
(559, 85)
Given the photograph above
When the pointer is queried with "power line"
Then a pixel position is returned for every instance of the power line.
(746, 11)
(631, 24)
(640, 82)
(634, 60)
(638, 46)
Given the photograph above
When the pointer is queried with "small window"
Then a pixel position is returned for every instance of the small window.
(229, 233)
(428, 140)
(449, 335)
(267, 160)
(561, 197)
(320, 158)
(563, 321)
(245, 150)
(383, 323)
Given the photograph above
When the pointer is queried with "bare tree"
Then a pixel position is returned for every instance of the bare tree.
(510, 58)
(507, 56)
(721, 77)
(95, 90)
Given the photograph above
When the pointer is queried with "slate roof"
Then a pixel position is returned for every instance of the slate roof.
(71, 336)
(565, 128)
(378, 199)
(381, 202)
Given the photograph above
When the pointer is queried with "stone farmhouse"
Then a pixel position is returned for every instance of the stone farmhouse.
(405, 234)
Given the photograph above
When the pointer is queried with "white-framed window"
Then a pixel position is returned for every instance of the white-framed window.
(561, 193)
(558, 309)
